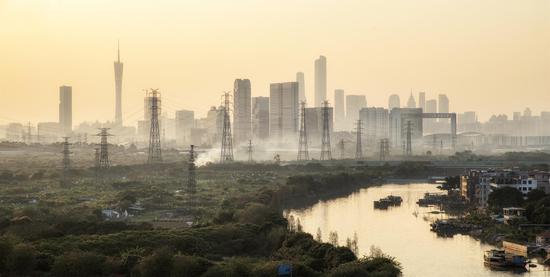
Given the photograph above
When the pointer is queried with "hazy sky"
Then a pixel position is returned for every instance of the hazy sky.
(492, 56)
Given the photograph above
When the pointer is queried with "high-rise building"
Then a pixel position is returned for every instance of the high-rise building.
(422, 100)
(443, 103)
(260, 117)
(375, 122)
(301, 86)
(283, 110)
(354, 103)
(119, 66)
(185, 121)
(241, 111)
(429, 123)
(320, 81)
(411, 103)
(66, 109)
(339, 109)
(431, 106)
(394, 102)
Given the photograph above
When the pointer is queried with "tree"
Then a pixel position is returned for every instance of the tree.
(535, 195)
(158, 264)
(22, 259)
(79, 264)
(505, 197)
(319, 235)
(333, 238)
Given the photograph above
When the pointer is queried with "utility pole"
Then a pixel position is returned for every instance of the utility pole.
(226, 154)
(325, 141)
(249, 150)
(155, 152)
(66, 161)
(104, 161)
(303, 154)
(409, 140)
(358, 145)
(191, 174)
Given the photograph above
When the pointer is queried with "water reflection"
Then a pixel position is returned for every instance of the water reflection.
(400, 233)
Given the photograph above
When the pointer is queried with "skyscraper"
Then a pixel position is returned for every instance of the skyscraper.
(394, 102)
(320, 81)
(301, 86)
(283, 110)
(119, 66)
(260, 117)
(185, 121)
(443, 103)
(241, 110)
(376, 124)
(354, 103)
(431, 107)
(66, 109)
(411, 103)
(422, 100)
(339, 109)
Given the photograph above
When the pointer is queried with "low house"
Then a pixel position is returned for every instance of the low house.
(513, 213)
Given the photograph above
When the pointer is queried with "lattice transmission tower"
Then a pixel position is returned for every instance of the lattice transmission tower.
(191, 173)
(66, 160)
(104, 161)
(226, 154)
(384, 149)
(358, 144)
(342, 146)
(325, 140)
(155, 152)
(303, 154)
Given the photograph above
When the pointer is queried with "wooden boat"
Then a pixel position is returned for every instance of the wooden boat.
(498, 259)
(388, 201)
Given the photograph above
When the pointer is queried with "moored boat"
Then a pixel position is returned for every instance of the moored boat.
(498, 259)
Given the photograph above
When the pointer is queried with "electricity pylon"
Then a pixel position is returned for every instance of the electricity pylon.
(303, 154)
(325, 140)
(155, 152)
(358, 145)
(226, 154)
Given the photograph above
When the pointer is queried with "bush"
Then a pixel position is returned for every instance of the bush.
(22, 259)
(158, 264)
(189, 266)
(82, 264)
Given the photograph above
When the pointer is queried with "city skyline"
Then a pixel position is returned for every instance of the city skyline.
(513, 43)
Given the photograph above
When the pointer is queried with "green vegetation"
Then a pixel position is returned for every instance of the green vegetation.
(236, 215)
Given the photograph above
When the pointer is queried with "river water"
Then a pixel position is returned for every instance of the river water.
(402, 232)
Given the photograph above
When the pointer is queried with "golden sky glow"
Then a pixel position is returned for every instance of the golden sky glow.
(492, 56)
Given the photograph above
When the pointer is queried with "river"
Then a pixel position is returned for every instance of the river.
(400, 233)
